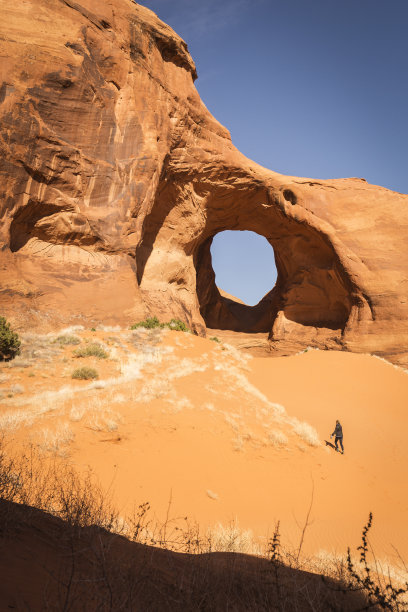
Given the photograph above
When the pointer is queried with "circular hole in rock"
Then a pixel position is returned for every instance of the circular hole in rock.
(244, 265)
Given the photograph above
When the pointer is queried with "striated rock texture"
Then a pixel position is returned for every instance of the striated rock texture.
(114, 179)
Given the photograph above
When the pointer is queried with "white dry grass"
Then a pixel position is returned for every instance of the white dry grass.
(179, 368)
(152, 390)
(53, 441)
(98, 384)
(117, 398)
(106, 421)
(306, 432)
(76, 413)
(277, 438)
(178, 403)
(109, 328)
(13, 419)
(68, 331)
(232, 420)
(231, 538)
(263, 411)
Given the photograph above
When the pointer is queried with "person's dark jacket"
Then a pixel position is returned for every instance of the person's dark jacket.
(338, 432)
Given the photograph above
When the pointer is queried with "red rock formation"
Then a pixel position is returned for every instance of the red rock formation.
(114, 178)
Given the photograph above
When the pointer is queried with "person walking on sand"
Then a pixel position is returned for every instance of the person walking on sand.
(338, 436)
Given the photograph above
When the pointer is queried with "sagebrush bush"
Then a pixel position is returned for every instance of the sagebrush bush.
(9, 341)
(91, 350)
(215, 339)
(85, 373)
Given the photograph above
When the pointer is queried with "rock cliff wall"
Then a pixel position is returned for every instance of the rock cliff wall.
(114, 179)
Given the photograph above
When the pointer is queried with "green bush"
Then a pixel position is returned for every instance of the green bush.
(154, 323)
(215, 339)
(67, 340)
(91, 350)
(9, 341)
(150, 323)
(177, 325)
(85, 373)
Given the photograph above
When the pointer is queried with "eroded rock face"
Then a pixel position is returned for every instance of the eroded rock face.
(114, 179)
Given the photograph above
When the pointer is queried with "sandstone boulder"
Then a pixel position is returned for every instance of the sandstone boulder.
(114, 179)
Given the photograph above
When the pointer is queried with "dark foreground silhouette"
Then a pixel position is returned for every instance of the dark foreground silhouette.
(49, 564)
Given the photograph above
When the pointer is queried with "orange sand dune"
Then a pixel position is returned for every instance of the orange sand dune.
(202, 430)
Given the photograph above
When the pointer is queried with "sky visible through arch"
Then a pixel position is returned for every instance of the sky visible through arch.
(313, 88)
(243, 263)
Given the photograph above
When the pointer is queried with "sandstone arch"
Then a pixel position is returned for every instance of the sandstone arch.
(312, 291)
(114, 178)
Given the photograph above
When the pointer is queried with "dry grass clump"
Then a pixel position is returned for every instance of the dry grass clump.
(306, 432)
(77, 412)
(106, 421)
(91, 350)
(53, 441)
(277, 438)
(67, 340)
(36, 348)
(12, 419)
(231, 538)
(85, 373)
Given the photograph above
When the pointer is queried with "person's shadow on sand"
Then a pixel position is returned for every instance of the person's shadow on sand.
(330, 444)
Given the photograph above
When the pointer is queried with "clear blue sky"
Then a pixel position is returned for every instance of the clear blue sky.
(315, 88)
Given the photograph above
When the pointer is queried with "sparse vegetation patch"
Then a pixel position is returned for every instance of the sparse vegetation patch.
(91, 350)
(67, 340)
(154, 323)
(85, 374)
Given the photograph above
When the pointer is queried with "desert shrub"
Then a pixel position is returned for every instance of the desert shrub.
(9, 341)
(381, 593)
(215, 339)
(154, 323)
(85, 373)
(67, 340)
(52, 440)
(149, 323)
(91, 350)
(177, 325)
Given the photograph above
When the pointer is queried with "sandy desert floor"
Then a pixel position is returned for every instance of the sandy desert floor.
(236, 443)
